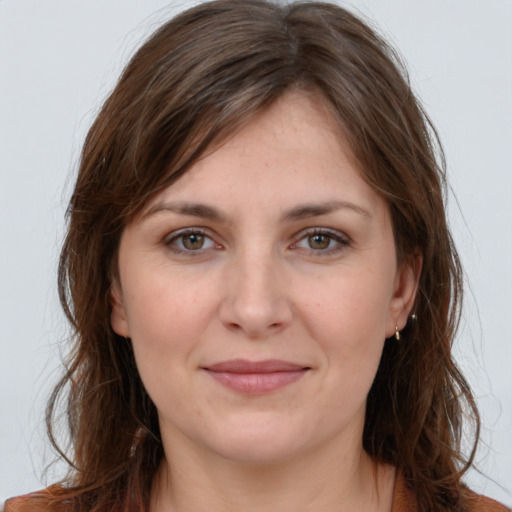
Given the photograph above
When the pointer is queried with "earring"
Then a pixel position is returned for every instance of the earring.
(397, 333)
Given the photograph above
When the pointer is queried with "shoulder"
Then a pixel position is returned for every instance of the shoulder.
(40, 501)
(31, 502)
(483, 504)
(405, 500)
(19, 504)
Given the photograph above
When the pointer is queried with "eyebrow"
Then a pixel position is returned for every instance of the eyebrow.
(316, 209)
(300, 212)
(202, 211)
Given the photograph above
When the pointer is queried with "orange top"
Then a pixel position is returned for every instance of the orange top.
(403, 501)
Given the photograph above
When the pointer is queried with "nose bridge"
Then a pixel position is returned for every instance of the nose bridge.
(256, 301)
(257, 278)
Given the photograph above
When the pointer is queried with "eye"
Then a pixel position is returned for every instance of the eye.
(319, 241)
(322, 241)
(189, 241)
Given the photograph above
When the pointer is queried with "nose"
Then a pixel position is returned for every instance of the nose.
(256, 300)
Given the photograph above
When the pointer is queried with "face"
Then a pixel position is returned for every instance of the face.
(258, 291)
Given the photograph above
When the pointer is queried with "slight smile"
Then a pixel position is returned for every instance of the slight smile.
(256, 377)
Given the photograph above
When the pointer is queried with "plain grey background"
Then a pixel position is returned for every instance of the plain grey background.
(58, 61)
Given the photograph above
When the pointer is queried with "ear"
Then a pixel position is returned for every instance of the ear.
(118, 318)
(404, 293)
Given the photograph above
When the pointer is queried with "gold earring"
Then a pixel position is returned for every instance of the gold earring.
(397, 333)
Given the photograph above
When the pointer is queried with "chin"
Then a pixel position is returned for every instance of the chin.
(258, 452)
(259, 442)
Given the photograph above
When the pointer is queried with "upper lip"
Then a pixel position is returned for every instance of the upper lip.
(245, 366)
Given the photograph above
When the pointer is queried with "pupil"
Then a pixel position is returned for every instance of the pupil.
(319, 242)
(193, 241)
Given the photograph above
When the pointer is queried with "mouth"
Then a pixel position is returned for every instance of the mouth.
(256, 377)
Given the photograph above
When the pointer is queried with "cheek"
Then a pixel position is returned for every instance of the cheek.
(348, 318)
(352, 307)
(166, 319)
(167, 322)
(161, 303)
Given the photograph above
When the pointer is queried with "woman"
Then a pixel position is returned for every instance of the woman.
(260, 277)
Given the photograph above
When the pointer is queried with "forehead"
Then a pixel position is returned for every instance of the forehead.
(289, 153)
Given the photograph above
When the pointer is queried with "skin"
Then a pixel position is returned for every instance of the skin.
(270, 279)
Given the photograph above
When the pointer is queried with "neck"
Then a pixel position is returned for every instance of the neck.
(326, 480)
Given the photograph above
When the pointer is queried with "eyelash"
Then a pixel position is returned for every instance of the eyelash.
(170, 242)
(341, 241)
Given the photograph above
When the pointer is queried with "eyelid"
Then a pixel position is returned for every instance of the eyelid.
(341, 238)
(177, 234)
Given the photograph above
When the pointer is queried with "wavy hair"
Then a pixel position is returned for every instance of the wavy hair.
(195, 82)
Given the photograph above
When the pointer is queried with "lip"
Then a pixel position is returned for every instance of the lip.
(256, 377)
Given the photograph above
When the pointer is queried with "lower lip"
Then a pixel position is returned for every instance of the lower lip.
(257, 383)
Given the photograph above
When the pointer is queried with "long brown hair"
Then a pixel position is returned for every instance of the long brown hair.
(198, 79)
